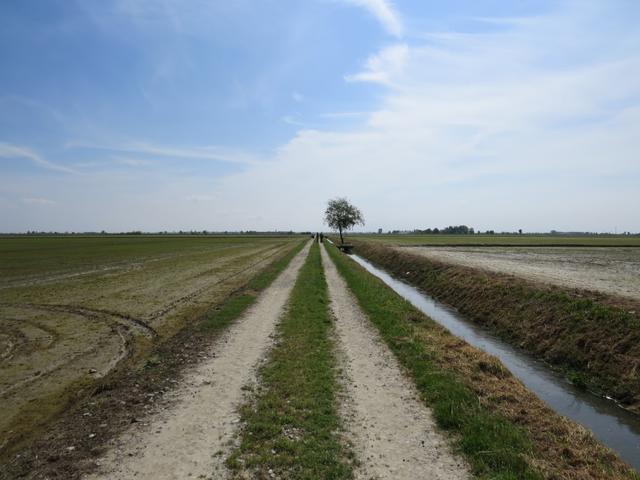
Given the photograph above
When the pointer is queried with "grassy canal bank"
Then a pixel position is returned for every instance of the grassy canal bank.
(592, 337)
(502, 428)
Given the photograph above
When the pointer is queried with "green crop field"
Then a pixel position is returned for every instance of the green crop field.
(72, 308)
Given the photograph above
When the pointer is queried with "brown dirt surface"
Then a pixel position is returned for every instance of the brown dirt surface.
(392, 431)
(187, 439)
(614, 270)
(92, 414)
(63, 332)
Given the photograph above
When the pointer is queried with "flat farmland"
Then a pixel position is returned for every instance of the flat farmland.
(507, 240)
(72, 308)
(606, 263)
(610, 270)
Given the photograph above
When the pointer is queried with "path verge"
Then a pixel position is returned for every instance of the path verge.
(392, 431)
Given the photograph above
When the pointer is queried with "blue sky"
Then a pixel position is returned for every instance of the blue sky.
(172, 114)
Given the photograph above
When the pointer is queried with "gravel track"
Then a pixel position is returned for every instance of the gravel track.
(393, 433)
(186, 439)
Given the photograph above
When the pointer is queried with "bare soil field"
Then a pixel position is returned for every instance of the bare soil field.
(614, 270)
(72, 308)
(505, 240)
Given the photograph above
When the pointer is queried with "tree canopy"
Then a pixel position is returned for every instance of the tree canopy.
(341, 215)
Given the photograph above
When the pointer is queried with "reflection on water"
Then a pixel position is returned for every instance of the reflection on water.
(613, 426)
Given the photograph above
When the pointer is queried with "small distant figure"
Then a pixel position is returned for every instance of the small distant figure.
(321, 237)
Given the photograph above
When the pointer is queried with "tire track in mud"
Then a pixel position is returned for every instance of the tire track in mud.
(141, 323)
(130, 321)
(184, 440)
(14, 339)
(120, 325)
(47, 371)
(393, 432)
(126, 347)
(9, 346)
(126, 320)
(18, 338)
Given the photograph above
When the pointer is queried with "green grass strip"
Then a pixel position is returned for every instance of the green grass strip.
(292, 424)
(494, 447)
(238, 303)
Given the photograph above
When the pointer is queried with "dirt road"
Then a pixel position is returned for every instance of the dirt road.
(393, 432)
(185, 441)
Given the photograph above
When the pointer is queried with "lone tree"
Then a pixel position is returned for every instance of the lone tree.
(341, 215)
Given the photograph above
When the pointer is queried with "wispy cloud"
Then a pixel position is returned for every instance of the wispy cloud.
(344, 114)
(198, 198)
(383, 67)
(385, 13)
(520, 123)
(91, 164)
(38, 201)
(35, 105)
(214, 153)
(132, 162)
(500, 124)
(292, 121)
(8, 150)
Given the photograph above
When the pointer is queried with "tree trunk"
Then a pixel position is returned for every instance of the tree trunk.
(341, 239)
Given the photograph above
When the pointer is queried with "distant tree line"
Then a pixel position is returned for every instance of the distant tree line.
(165, 232)
(464, 230)
(450, 230)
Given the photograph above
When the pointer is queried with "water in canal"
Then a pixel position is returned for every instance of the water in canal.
(612, 425)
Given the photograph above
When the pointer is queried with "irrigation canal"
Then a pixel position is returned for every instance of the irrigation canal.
(611, 424)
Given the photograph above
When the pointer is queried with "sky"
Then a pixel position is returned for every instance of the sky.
(213, 115)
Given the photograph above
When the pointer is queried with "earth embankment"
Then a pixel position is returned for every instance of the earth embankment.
(609, 270)
(593, 337)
